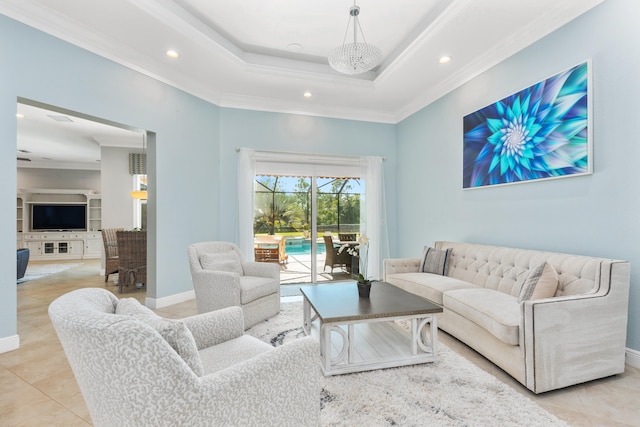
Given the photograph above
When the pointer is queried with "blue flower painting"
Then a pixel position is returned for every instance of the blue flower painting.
(539, 132)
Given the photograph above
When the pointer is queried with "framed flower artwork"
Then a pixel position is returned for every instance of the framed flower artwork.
(540, 132)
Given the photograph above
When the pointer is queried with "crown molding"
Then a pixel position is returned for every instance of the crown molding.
(307, 72)
(448, 14)
(44, 164)
(190, 26)
(273, 105)
(533, 32)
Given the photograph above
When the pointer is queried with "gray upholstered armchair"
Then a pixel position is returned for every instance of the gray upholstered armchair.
(221, 278)
(135, 368)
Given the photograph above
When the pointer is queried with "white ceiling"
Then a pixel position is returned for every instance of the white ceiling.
(264, 55)
(61, 140)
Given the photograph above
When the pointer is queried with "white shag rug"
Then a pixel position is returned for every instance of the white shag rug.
(449, 392)
(37, 271)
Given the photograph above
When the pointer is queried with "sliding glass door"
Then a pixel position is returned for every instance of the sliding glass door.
(299, 222)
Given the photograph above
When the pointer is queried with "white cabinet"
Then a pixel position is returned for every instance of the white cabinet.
(79, 244)
(72, 248)
(93, 245)
(56, 245)
(35, 249)
(94, 212)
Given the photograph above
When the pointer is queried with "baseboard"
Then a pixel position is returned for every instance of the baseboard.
(632, 358)
(156, 303)
(9, 343)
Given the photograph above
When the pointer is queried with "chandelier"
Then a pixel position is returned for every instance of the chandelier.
(356, 57)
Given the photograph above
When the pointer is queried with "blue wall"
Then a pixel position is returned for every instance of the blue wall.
(42, 68)
(300, 134)
(193, 161)
(592, 215)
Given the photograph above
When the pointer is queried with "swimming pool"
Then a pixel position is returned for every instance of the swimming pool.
(298, 246)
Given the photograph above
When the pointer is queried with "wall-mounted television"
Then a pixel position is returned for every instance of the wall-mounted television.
(52, 217)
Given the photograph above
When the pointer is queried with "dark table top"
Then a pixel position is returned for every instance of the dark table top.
(339, 302)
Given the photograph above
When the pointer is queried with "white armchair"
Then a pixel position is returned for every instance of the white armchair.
(221, 278)
(135, 368)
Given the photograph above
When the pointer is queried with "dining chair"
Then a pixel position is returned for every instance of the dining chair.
(110, 251)
(132, 258)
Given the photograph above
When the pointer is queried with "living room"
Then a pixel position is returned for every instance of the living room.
(195, 151)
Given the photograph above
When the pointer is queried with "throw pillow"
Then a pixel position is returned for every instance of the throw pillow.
(174, 332)
(434, 260)
(227, 261)
(542, 282)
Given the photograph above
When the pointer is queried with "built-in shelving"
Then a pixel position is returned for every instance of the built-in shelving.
(60, 244)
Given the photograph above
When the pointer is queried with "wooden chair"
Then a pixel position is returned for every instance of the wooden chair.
(110, 251)
(333, 258)
(132, 257)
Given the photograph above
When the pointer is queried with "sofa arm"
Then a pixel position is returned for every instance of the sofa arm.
(261, 269)
(401, 265)
(573, 339)
(216, 327)
(216, 289)
(282, 384)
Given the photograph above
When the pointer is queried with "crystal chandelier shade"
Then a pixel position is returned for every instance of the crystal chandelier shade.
(356, 57)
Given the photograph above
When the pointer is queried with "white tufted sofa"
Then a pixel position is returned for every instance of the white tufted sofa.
(133, 370)
(576, 336)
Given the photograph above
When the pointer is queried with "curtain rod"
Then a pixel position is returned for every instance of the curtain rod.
(297, 153)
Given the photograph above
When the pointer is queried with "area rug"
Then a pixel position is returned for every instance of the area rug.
(449, 392)
(37, 271)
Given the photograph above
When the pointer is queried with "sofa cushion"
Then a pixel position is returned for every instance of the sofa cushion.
(542, 282)
(434, 260)
(494, 311)
(427, 285)
(175, 332)
(253, 287)
(224, 261)
(232, 352)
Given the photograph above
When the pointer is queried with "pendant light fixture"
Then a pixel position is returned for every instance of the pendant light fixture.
(356, 57)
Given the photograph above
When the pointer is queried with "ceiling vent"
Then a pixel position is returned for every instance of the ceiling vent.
(23, 159)
(60, 118)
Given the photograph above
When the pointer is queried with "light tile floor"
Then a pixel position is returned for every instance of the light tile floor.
(37, 387)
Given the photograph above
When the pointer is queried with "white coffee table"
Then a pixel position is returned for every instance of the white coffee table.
(370, 336)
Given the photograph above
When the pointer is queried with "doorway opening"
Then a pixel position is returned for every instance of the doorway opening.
(61, 160)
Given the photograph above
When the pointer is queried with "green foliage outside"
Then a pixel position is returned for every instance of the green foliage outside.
(283, 205)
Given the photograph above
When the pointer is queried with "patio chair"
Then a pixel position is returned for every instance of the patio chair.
(270, 249)
(110, 251)
(132, 258)
(347, 237)
(333, 258)
(135, 368)
(222, 278)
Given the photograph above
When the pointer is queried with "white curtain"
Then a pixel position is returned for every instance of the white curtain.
(246, 177)
(373, 215)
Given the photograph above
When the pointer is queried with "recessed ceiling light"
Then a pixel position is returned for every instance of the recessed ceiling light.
(308, 94)
(294, 47)
(19, 116)
(172, 54)
(444, 59)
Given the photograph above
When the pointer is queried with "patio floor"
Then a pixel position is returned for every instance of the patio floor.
(297, 271)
